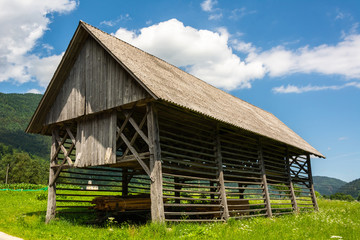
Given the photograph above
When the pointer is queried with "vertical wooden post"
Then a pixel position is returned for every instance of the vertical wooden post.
(124, 182)
(264, 181)
(312, 190)
(156, 192)
(218, 158)
(51, 204)
(291, 186)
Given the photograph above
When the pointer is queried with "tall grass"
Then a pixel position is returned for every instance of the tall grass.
(23, 213)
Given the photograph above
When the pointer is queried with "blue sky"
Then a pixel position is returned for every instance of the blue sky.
(300, 60)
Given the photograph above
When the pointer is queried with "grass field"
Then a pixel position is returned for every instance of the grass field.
(22, 214)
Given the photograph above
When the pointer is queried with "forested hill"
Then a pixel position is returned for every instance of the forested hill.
(327, 185)
(16, 111)
(352, 188)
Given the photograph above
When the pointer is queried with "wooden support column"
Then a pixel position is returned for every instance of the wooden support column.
(312, 190)
(156, 191)
(51, 204)
(291, 185)
(264, 181)
(218, 158)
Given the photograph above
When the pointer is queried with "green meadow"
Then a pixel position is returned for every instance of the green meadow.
(22, 214)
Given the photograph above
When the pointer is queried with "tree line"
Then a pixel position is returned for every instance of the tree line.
(22, 167)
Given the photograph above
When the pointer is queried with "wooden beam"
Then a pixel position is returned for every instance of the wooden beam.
(51, 204)
(156, 191)
(63, 149)
(136, 155)
(264, 181)
(137, 128)
(312, 190)
(293, 197)
(135, 136)
(218, 157)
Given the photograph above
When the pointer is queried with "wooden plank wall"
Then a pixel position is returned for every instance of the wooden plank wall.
(95, 83)
(242, 173)
(191, 180)
(70, 100)
(191, 189)
(96, 140)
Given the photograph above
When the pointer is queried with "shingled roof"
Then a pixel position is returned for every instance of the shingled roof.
(171, 84)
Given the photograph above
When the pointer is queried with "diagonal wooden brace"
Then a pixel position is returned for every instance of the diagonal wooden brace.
(135, 136)
(136, 155)
(56, 133)
(63, 149)
(137, 128)
(56, 175)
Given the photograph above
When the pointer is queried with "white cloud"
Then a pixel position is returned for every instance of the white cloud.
(209, 55)
(121, 18)
(23, 23)
(243, 46)
(341, 59)
(238, 13)
(203, 53)
(208, 5)
(215, 16)
(342, 138)
(34, 91)
(309, 88)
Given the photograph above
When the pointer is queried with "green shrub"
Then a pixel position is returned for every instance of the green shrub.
(342, 196)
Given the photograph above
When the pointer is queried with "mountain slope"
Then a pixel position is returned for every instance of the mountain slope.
(352, 188)
(16, 111)
(327, 185)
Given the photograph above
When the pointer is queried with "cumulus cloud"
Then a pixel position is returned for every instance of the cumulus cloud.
(23, 23)
(210, 56)
(341, 59)
(203, 53)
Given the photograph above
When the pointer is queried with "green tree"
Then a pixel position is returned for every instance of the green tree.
(342, 196)
(23, 168)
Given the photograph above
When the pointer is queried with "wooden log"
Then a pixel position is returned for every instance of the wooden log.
(264, 180)
(196, 146)
(51, 204)
(156, 191)
(312, 190)
(186, 185)
(189, 177)
(218, 158)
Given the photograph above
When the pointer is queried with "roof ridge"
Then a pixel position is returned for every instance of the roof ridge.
(85, 23)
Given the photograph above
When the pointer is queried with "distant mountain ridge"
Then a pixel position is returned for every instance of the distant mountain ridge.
(16, 111)
(327, 185)
(352, 188)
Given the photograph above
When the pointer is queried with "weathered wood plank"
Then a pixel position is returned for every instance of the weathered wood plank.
(51, 204)
(218, 157)
(157, 205)
(312, 190)
(264, 180)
